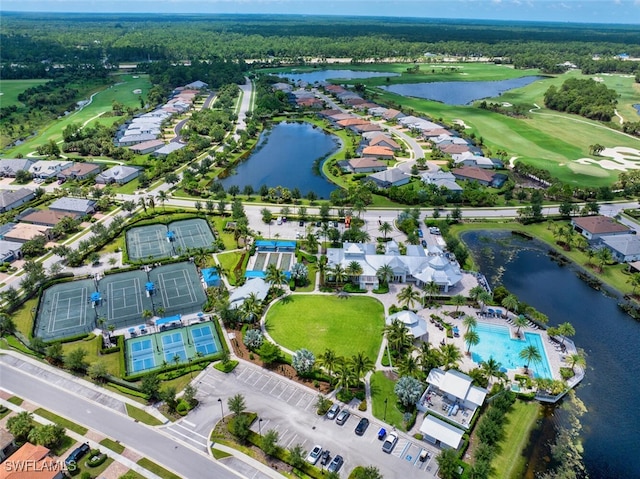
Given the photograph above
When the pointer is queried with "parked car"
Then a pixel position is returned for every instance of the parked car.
(314, 455)
(301, 223)
(335, 224)
(284, 219)
(420, 233)
(336, 464)
(362, 426)
(279, 221)
(434, 230)
(390, 442)
(77, 454)
(325, 457)
(333, 412)
(423, 243)
(424, 455)
(342, 417)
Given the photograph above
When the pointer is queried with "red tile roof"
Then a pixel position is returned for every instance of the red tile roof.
(366, 163)
(473, 173)
(599, 224)
(30, 462)
(378, 151)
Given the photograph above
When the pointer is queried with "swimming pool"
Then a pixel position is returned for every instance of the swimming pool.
(496, 342)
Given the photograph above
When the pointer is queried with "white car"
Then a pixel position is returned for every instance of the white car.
(390, 442)
(314, 455)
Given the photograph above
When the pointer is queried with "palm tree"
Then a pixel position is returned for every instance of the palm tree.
(398, 337)
(385, 228)
(344, 374)
(353, 270)
(143, 203)
(151, 202)
(471, 338)
(511, 303)
(236, 404)
(566, 329)
(385, 274)
(251, 308)
(322, 268)
(427, 357)
(634, 281)
(431, 289)
(469, 322)
(474, 293)
(361, 364)
(450, 355)
(409, 366)
(275, 276)
(577, 359)
(520, 321)
(491, 368)
(338, 273)
(312, 243)
(458, 300)
(408, 296)
(485, 298)
(604, 257)
(328, 360)
(162, 197)
(530, 354)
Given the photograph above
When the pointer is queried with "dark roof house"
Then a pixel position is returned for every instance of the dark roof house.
(593, 227)
(10, 199)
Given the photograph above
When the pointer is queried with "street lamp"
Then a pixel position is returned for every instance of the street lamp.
(221, 409)
(385, 409)
(260, 426)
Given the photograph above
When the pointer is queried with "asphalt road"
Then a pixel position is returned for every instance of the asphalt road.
(153, 443)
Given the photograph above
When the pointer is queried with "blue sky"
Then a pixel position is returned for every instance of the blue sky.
(600, 11)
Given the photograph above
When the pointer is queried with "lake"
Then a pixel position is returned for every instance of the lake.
(637, 107)
(460, 92)
(610, 338)
(324, 75)
(284, 156)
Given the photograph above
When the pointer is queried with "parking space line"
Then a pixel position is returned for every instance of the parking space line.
(293, 438)
(293, 391)
(266, 384)
(304, 397)
(286, 388)
(274, 387)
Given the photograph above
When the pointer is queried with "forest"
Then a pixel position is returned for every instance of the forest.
(583, 97)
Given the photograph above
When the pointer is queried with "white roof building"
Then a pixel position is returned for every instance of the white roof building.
(416, 325)
(441, 179)
(257, 286)
(48, 168)
(415, 266)
(440, 433)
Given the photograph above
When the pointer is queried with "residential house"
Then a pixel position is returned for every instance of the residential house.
(415, 325)
(134, 139)
(417, 123)
(593, 227)
(381, 152)
(280, 86)
(168, 149)
(389, 178)
(36, 464)
(78, 206)
(392, 114)
(196, 85)
(10, 199)
(9, 167)
(624, 248)
(147, 147)
(48, 168)
(415, 266)
(339, 117)
(452, 396)
(366, 128)
(352, 121)
(385, 142)
(46, 217)
(329, 112)
(366, 165)
(469, 159)
(442, 179)
(366, 106)
(10, 251)
(119, 174)
(453, 148)
(79, 171)
(377, 111)
(23, 232)
(7, 444)
(435, 133)
(473, 173)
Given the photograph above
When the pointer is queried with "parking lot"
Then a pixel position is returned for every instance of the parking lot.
(289, 408)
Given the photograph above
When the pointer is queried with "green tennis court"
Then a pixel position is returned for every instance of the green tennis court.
(66, 310)
(190, 234)
(152, 351)
(124, 298)
(178, 288)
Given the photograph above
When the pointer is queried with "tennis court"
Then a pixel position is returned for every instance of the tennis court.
(155, 350)
(151, 242)
(66, 310)
(124, 298)
(178, 287)
(148, 242)
(194, 233)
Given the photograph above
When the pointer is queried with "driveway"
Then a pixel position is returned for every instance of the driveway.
(288, 408)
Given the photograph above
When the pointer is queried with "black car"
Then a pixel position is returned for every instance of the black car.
(362, 426)
(77, 454)
(325, 457)
(423, 243)
(336, 464)
(301, 223)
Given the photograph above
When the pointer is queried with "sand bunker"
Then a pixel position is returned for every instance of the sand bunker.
(461, 123)
(620, 158)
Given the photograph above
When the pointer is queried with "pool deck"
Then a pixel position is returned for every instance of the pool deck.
(555, 356)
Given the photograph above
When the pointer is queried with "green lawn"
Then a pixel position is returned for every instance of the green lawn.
(142, 416)
(520, 420)
(67, 424)
(318, 322)
(113, 445)
(381, 389)
(157, 469)
(92, 347)
(228, 262)
(10, 90)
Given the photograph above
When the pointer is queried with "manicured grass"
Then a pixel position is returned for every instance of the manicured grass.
(92, 348)
(10, 90)
(72, 426)
(228, 261)
(227, 237)
(131, 474)
(94, 471)
(381, 389)
(113, 445)
(23, 317)
(157, 469)
(519, 421)
(320, 322)
(16, 400)
(16, 344)
(142, 416)
(218, 454)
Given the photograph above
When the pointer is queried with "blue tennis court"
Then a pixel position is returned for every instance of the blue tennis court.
(142, 355)
(172, 346)
(203, 340)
